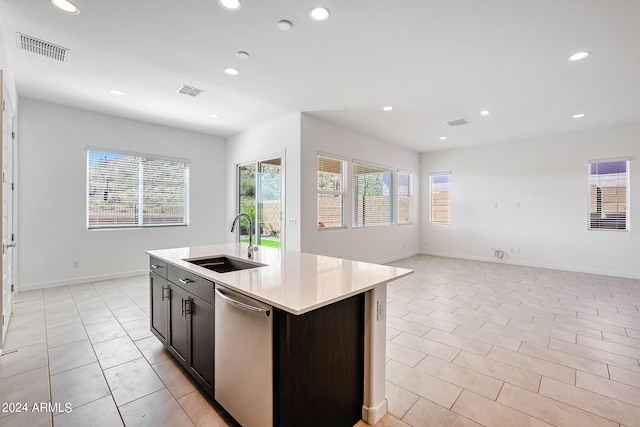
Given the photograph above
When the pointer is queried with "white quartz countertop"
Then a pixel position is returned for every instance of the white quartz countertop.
(296, 282)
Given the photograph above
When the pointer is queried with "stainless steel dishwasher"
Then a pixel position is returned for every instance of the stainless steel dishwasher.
(244, 357)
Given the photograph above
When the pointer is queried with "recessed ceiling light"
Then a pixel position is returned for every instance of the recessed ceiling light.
(231, 71)
(66, 6)
(285, 25)
(485, 112)
(229, 4)
(579, 55)
(116, 92)
(442, 138)
(319, 13)
(214, 116)
(578, 116)
(387, 108)
(242, 54)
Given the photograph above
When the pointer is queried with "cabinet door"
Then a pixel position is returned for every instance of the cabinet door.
(202, 341)
(178, 339)
(159, 293)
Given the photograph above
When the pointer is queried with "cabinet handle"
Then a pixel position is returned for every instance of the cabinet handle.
(187, 307)
(156, 266)
(186, 281)
(182, 306)
(165, 288)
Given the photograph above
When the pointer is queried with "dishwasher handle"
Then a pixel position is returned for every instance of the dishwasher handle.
(242, 305)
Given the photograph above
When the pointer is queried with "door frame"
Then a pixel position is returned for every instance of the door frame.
(8, 240)
(256, 160)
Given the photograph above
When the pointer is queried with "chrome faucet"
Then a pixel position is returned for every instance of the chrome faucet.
(250, 249)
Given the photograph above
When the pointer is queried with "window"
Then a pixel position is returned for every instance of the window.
(372, 195)
(331, 189)
(133, 191)
(405, 194)
(440, 187)
(608, 194)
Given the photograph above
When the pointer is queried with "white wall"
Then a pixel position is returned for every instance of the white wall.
(548, 178)
(278, 138)
(7, 70)
(52, 229)
(371, 244)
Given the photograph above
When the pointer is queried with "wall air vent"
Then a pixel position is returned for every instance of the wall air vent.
(190, 90)
(458, 122)
(41, 47)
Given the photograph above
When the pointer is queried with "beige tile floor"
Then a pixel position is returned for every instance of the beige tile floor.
(89, 346)
(468, 343)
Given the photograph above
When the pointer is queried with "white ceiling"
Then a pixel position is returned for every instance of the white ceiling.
(432, 60)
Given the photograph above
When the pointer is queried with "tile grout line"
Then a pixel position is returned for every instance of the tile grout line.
(97, 359)
(46, 340)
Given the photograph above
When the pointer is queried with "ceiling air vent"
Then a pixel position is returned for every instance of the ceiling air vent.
(190, 90)
(41, 47)
(458, 122)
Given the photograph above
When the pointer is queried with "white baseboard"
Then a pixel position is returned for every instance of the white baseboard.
(78, 280)
(397, 258)
(536, 264)
(371, 415)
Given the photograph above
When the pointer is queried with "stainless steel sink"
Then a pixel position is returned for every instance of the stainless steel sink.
(223, 264)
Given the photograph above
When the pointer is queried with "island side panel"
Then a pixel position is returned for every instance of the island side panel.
(375, 344)
(320, 365)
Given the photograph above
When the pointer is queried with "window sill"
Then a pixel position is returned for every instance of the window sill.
(331, 228)
(136, 227)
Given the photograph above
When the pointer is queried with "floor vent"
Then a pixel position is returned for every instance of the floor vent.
(458, 122)
(41, 47)
(190, 90)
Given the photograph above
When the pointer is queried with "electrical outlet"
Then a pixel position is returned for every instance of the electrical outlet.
(76, 264)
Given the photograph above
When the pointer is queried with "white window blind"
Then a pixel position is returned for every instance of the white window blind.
(405, 196)
(135, 191)
(440, 188)
(331, 189)
(609, 194)
(372, 195)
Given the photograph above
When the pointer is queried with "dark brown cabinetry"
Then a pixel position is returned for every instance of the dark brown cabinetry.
(159, 293)
(178, 341)
(182, 317)
(319, 365)
(201, 348)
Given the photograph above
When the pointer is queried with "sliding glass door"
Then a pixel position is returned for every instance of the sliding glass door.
(260, 197)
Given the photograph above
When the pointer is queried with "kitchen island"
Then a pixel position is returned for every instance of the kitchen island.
(319, 321)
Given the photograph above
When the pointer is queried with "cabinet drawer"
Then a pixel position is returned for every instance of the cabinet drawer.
(192, 283)
(158, 267)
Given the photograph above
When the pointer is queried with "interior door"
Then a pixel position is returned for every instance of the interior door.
(8, 236)
(260, 196)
